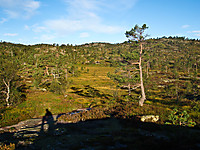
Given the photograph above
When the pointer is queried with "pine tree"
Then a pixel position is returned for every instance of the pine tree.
(137, 34)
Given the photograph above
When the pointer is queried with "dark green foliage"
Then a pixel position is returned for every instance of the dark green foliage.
(9, 79)
(124, 78)
(56, 87)
(136, 33)
(37, 79)
(180, 118)
(74, 71)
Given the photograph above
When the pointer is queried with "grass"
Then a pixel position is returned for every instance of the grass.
(35, 106)
(96, 78)
(38, 101)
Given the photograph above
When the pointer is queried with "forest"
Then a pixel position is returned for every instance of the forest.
(105, 78)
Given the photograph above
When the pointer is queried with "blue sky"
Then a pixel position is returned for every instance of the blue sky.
(86, 21)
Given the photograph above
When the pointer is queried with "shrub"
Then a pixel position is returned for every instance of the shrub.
(7, 147)
(15, 115)
(180, 118)
(55, 87)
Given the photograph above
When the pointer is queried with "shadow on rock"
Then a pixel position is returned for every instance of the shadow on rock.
(108, 133)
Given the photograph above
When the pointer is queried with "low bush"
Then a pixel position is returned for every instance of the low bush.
(180, 118)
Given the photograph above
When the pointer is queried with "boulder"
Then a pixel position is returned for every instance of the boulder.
(149, 118)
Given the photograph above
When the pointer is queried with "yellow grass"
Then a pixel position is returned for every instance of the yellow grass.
(96, 78)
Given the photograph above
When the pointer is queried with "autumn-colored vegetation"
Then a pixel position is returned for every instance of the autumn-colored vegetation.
(64, 78)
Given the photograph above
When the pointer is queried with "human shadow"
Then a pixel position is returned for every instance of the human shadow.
(48, 118)
(109, 133)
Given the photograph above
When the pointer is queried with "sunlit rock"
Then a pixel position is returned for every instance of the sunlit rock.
(149, 118)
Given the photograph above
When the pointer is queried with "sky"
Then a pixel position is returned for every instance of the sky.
(84, 21)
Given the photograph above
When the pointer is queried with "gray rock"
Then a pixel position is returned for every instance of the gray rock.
(149, 118)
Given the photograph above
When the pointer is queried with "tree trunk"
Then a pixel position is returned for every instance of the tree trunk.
(129, 84)
(177, 97)
(143, 98)
(129, 89)
(66, 74)
(8, 92)
(196, 67)
(148, 69)
(47, 71)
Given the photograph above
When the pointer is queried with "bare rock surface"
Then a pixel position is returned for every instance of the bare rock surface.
(101, 133)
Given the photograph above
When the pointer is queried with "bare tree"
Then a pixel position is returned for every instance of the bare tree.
(7, 92)
(137, 34)
(8, 74)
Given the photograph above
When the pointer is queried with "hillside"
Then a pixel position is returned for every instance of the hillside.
(66, 78)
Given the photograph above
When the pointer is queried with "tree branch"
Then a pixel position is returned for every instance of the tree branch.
(135, 63)
(4, 92)
(5, 83)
